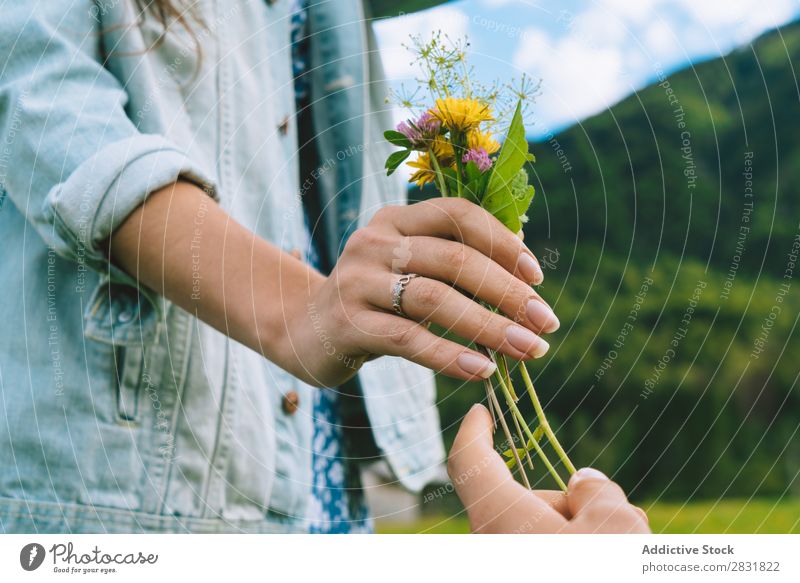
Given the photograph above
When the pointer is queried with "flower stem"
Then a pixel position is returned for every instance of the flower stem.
(458, 147)
(439, 176)
(548, 431)
(509, 439)
(536, 446)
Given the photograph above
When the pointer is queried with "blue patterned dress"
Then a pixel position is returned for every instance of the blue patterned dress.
(337, 502)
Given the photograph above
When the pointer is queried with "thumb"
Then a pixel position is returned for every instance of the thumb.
(474, 466)
(599, 505)
(494, 501)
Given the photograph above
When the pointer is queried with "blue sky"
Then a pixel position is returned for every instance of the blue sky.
(588, 54)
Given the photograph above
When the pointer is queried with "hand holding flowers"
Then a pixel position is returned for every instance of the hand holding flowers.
(457, 153)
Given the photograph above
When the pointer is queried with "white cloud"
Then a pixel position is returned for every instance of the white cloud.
(637, 11)
(738, 18)
(393, 33)
(578, 79)
(661, 41)
(599, 27)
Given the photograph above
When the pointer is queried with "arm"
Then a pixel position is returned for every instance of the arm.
(186, 248)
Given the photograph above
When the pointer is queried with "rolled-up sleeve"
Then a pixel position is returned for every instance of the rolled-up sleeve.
(77, 164)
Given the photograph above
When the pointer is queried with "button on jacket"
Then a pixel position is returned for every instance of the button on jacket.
(120, 411)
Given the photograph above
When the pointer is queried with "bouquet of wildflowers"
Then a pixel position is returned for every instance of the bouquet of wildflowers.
(451, 139)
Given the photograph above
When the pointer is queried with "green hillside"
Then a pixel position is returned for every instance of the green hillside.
(667, 225)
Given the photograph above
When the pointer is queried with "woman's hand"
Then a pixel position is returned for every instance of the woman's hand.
(496, 503)
(450, 243)
(184, 246)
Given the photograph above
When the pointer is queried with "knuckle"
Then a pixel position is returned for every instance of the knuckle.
(488, 322)
(401, 336)
(364, 239)
(459, 209)
(438, 354)
(385, 214)
(428, 294)
(455, 209)
(452, 255)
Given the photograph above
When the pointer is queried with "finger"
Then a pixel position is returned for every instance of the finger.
(461, 220)
(494, 501)
(427, 300)
(481, 277)
(395, 336)
(555, 499)
(599, 505)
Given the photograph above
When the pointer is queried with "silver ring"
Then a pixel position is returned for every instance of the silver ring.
(397, 293)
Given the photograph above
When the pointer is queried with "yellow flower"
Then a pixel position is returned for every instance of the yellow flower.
(476, 139)
(425, 172)
(445, 156)
(444, 152)
(461, 115)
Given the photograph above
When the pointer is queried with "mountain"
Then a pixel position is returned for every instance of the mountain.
(664, 170)
(669, 229)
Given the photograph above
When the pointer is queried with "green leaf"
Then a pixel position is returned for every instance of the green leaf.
(397, 139)
(503, 197)
(395, 159)
(472, 171)
(538, 433)
(472, 191)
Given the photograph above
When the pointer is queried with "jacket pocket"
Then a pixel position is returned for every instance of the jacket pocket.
(128, 383)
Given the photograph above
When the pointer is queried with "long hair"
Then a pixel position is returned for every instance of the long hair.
(171, 12)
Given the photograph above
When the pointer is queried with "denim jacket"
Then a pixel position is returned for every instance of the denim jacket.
(120, 411)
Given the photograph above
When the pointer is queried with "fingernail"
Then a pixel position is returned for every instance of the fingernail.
(529, 269)
(526, 341)
(476, 364)
(541, 315)
(588, 474)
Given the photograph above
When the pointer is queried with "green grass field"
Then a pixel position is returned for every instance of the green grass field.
(708, 517)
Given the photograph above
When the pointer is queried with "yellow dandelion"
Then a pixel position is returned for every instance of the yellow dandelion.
(425, 172)
(476, 139)
(444, 152)
(461, 115)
